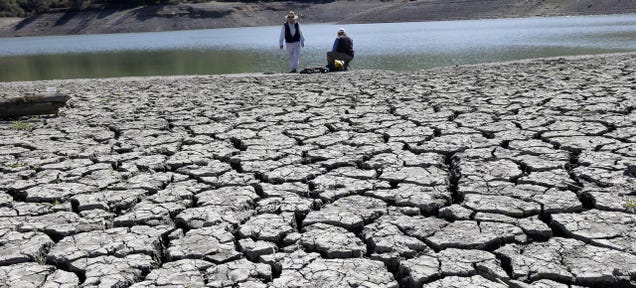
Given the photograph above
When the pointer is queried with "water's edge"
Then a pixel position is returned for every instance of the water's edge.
(392, 46)
(9, 87)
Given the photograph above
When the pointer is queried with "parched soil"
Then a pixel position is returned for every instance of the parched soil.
(515, 174)
(263, 13)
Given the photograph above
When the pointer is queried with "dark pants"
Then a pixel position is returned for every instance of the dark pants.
(333, 55)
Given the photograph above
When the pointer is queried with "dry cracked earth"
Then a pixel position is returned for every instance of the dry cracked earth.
(507, 175)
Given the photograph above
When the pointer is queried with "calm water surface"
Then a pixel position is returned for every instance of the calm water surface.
(395, 46)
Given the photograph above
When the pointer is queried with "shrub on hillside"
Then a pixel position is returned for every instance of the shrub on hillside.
(9, 8)
(23, 8)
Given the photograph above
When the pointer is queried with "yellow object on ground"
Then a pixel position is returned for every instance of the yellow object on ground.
(339, 64)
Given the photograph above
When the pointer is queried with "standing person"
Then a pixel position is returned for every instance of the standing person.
(342, 50)
(294, 40)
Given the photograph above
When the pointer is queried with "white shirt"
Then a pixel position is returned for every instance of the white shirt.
(292, 30)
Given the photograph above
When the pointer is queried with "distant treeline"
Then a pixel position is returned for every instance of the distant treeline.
(25, 8)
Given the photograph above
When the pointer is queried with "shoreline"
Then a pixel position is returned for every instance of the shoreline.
(192, 180)
(232, 15)
(282, 74)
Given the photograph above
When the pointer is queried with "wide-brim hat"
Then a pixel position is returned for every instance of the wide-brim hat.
(291, 14)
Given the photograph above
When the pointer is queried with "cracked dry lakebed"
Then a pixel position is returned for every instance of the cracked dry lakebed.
(514, 174)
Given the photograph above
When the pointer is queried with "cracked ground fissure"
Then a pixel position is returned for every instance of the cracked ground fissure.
(502, 175)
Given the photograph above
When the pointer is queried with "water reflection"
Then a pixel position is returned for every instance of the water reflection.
(395, 46)
(129, 63)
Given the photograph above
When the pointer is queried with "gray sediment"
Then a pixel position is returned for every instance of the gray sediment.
(518, 174)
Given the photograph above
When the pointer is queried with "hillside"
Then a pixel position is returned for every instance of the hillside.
(239, 14)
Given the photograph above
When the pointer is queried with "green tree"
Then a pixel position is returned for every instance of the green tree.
(34, 6)
(79, 4)
(9, 8)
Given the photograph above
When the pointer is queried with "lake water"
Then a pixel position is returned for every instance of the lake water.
(395, 46)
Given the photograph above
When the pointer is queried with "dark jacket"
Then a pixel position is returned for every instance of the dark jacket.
(344, 44)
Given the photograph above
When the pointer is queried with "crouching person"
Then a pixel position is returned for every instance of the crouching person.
(342, 50)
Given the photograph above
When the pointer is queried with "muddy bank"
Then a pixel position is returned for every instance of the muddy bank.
(448, 177)
(221, 15)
